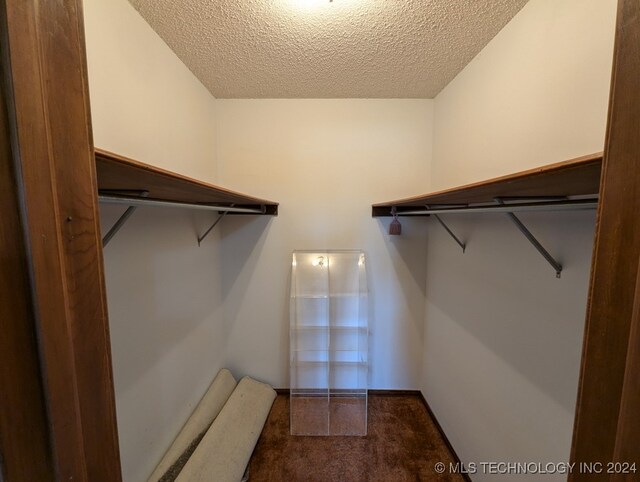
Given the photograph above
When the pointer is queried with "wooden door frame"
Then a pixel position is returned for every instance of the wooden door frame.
(602, 410)
(627, 444)
(51, 235)
(25, 452)
(46, 94)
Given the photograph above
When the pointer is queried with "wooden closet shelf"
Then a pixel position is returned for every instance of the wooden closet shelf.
(575, 177)
(118, 175)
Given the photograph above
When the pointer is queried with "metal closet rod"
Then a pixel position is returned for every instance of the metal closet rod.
(569, 205)
(137, 201)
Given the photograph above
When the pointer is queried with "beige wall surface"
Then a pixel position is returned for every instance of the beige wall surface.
(503, 336)
(326, 162)
(536, 94)
(145, 103)
(163, 291)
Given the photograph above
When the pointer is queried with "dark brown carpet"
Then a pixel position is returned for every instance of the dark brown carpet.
(335, 416)
(402, 444)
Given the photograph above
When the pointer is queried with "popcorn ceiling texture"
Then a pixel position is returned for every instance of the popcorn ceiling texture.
(322, 49)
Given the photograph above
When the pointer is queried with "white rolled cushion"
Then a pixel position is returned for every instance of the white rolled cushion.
(204, 414)
(226, 448)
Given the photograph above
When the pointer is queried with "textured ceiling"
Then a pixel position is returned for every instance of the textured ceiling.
(323, 49)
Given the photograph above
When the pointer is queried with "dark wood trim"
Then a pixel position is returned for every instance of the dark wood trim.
(395, 393)
(627, 447)
(25, 453)
(25, 102)
(616, 259)
(580, 176)
(52, 146)
(442, 433)
(119, 173)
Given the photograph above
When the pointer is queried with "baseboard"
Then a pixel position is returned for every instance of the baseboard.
(386, 393)
(324, 393)
(456, 459)
(410, 393)
(395, 393)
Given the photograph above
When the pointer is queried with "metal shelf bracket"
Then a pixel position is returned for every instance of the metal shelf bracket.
(509, 206)
(532, 239)
(121, 220)
(124, 197)
(224, 211)
(455, 238)
(218, 219)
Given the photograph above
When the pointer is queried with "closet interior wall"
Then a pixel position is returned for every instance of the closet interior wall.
(503, 336)
(164, 294)
(325, 161)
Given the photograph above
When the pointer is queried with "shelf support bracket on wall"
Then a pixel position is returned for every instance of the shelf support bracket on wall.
(532, 239)
(121, 220)
(455, 238)
(124, 197)
(230, 208)
(215, 223)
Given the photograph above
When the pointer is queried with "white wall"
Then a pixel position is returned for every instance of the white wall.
(326, 162)
(502, 335)
(145, 103)
(164, 292)
(537, 94)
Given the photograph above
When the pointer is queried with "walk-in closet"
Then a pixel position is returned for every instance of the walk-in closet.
(320, 240)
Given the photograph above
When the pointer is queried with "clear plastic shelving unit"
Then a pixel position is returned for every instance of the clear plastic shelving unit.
(329, 343)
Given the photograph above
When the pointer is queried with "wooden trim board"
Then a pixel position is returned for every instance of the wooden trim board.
(627, 446)
(44, 64)
(575, 177)
(25, 452)
(443, 434)
(119, 173)
(615, 268)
